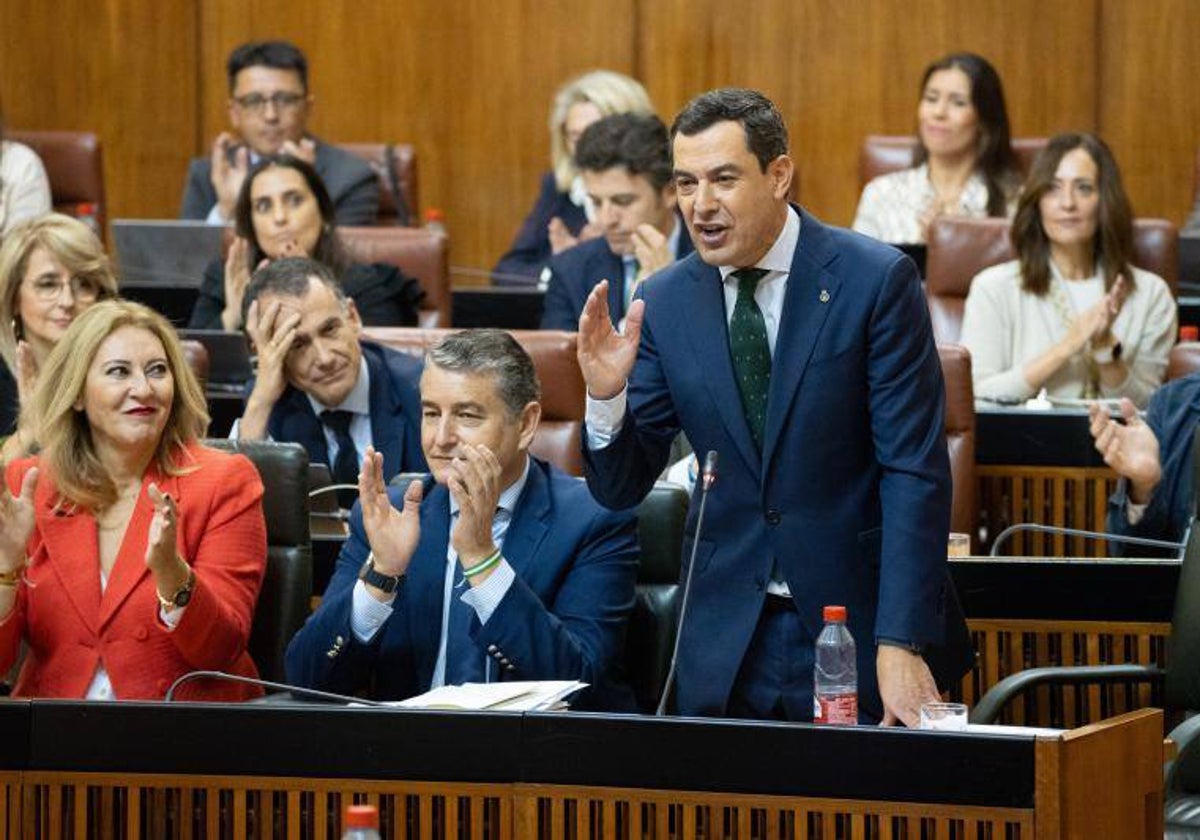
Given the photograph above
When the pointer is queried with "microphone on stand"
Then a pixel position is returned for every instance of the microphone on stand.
(708, 476)
(274, 686)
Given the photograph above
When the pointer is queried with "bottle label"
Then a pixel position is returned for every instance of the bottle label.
(836, 709)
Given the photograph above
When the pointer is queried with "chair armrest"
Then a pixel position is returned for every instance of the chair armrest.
(988, 709)
(1183, 774)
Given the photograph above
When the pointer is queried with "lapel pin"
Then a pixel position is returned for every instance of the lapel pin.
(824, 296)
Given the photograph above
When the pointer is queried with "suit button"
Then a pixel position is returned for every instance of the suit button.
(510, 667)
(774, 517)
(492, 648)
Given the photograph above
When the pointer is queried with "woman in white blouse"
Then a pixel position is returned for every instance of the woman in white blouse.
(24, 188)
(963, 164)
(1071, 314)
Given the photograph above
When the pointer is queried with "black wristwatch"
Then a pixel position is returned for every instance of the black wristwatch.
(181, 597)
(370, 575)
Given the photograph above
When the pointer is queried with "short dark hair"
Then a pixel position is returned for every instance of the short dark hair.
(290, 277)
(995, 159)
(280, 55)
(1112, 246)
(494, 353)
(637, 142)
(327, 250)
(766, 133)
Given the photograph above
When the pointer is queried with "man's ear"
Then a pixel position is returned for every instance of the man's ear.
(531, 416)
(781, 171)
(352, 316)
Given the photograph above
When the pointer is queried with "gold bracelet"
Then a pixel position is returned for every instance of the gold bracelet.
(12, 578)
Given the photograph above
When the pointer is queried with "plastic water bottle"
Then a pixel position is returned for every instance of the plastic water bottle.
(435, 220)
(361, 823)
(835, 677)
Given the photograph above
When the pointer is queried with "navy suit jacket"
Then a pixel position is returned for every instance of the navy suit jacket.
(395, 413)
(576, 271)
(348, 179)
(563, 617)
(1173, 413)
(530, 250)
(852, 490)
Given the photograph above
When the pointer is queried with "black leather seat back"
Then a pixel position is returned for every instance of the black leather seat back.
(283, 603)
(652, 625)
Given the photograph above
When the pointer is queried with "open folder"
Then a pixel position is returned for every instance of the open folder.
(531, 696)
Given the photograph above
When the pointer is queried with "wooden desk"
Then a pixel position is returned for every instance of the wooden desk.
(195, 770)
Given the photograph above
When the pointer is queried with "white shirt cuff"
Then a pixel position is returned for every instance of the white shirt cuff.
(367, 614)
(214, 216)
(1134, 512)
(171, 618)
(604, 418)
(485, 597)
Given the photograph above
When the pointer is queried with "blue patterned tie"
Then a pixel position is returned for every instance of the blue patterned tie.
(751, 352)
(464, 659)
(345, 465)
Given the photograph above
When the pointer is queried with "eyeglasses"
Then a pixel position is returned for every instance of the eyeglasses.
(83, 289)
(257, 103)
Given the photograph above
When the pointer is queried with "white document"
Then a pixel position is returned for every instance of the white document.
(518, 696)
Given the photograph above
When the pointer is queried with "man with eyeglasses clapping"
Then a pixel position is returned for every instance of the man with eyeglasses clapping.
(269, 103)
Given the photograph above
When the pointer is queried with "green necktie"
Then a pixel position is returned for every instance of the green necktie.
(751, 352)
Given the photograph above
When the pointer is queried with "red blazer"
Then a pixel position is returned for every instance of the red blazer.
(71, 627)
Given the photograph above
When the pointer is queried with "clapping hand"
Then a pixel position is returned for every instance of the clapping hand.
(474, 482)
(230, 165)
(651, 249)
(306, 150)
(393, 534)
(1130, 449)
(605, 355)
(16, 522)
(162, 556)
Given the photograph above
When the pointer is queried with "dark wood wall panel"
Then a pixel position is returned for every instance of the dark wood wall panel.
(469, 82)
(125, 70)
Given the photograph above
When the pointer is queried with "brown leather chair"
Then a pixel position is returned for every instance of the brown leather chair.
(74, 165)
(884, 153)
(1184, 359)
(959, 248)
(196, 355)
(558, 438)
(420, 253)
(960, 436)
(395, 165)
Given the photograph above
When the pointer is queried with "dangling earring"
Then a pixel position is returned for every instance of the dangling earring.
(17, 328)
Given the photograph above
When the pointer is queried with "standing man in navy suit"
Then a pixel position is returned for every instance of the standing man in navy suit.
(803, 355)
(625, 160)
(505, 569)
(318, 384)
(269, 104)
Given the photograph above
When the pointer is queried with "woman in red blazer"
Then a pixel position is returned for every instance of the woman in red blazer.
(129, 553)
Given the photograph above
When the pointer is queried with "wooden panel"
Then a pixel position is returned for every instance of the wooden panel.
(1006, 646)
(126, 71)
(1072, 497)
(1148, 111)
(840, 71)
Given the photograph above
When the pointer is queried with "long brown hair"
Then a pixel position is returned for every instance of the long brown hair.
(63, 432)
(995, 160)
(1112, 245)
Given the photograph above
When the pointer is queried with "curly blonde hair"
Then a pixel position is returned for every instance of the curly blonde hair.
(611, 93)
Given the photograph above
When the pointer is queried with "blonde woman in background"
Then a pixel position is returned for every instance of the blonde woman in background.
(51, 270)
(560, 217)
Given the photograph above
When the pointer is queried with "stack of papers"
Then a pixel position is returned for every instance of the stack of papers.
(531, 696)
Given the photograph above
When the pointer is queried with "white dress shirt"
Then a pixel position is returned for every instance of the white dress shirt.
(367, 614)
